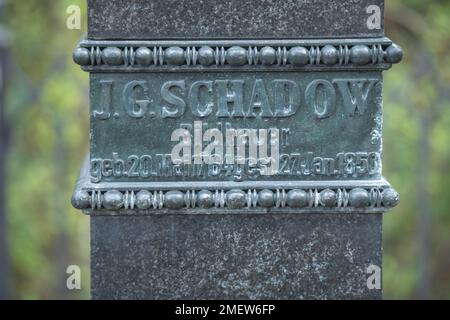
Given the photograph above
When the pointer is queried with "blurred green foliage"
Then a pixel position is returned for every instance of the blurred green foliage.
(47, 106)
(417, 151)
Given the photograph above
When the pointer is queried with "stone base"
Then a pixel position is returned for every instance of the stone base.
(270, 256)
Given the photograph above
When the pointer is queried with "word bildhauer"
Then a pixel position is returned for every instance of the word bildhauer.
(222, 147)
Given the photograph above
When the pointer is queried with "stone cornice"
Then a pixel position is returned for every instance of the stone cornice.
(238, 55)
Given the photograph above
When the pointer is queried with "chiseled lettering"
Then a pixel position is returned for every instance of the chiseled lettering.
(151, 167)
(239, 98)
(286, 97)
(105, 101)
(135, 107)
(355, 93)
(175, 106)
(321, 98)
(259, 100)
(199, 108)
(225, 96)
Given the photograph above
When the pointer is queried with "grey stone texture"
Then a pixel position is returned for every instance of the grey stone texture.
(231, 19)
(293, 256)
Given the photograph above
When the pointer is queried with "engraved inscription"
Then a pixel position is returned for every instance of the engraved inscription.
(235, 126)
(342, 165)
(278, 98)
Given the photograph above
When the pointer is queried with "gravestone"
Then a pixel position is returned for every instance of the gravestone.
(235, 148)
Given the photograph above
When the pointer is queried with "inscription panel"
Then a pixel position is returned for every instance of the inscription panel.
(235, 126)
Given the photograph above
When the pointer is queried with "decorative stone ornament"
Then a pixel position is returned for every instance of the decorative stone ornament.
(325, 196)
(148, 55)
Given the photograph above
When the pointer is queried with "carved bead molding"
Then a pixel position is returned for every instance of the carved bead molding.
(311, 199)
(213, 55)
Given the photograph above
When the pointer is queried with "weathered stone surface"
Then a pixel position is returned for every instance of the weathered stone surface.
(218, 19)
(305, 256)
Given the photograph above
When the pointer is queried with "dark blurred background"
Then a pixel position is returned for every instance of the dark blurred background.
(44, 137)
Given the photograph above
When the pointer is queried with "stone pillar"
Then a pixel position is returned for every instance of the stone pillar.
(236, 149)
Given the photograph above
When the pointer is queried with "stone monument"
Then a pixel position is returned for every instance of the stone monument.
(235, 148)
